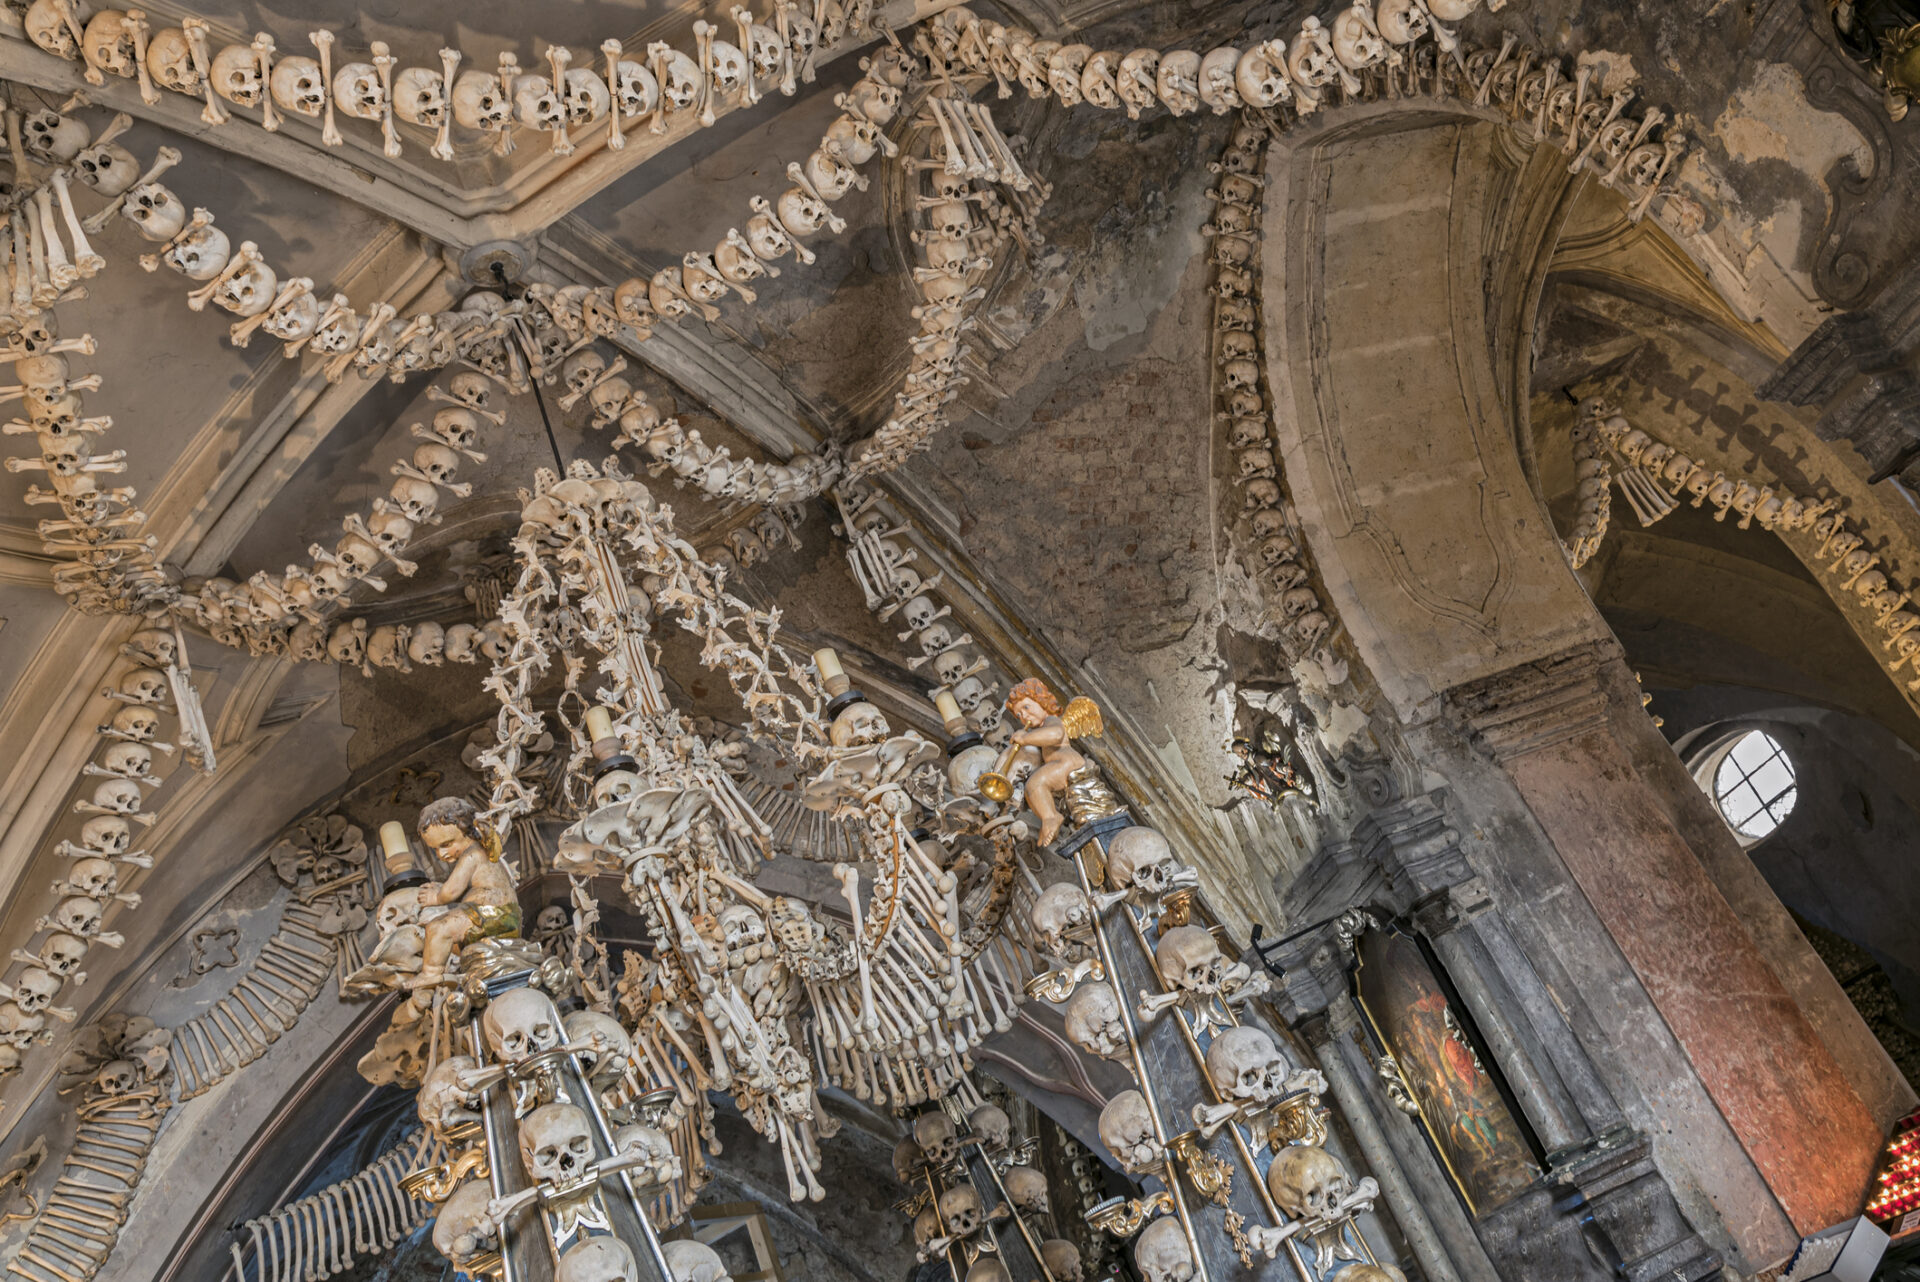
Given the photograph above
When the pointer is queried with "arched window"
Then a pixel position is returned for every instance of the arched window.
(1753, 784)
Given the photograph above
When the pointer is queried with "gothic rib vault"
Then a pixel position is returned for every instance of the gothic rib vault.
(1396, 403)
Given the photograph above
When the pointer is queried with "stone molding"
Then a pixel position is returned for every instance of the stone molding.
(1538, 704)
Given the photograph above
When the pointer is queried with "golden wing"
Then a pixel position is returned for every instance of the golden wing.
(1082, 719)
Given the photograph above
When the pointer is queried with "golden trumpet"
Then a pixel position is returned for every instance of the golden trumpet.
(994, 784)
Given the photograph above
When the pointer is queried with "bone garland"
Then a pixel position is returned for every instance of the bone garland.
(612, 399)
(107, 565)
(1654, 477)
(1593, 492)
(121, 1066)
(287, 612)
(105, 862)
(895, 591)
(1276, 551)
(571, 98)
(364, 1214)
(959, 253)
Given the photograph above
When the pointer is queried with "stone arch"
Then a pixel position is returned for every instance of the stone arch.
(1405, 253)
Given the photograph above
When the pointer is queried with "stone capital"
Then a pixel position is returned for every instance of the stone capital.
(1536, 704)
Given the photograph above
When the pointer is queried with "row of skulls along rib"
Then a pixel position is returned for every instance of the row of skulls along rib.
(780, 50)
(1654, 476)
(513, 341)
(95, 881)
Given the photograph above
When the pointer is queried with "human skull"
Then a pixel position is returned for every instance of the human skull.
(137, 722)
(117, 1077)
(582, 368)
(18, 1028)
(1189, 958)
(637, 1137)
(78, 915)
(106, 834)
(35, 990)
(597, 1259)
(48, 135)
(108, 43)
(745, 933)
(442, 1102)
(235, 75)
(1140, 857)
(170, 61)
(154, 211)
(950, 664)
(297, 85)
(908, 1160)
(857, 725)
(1216, 80)
(584, 96)
(428, 644)
(1126, 1128)
(926, 1226)
(1402, 22)
(416, 499)
(1062, 1260)
(357, 91)
(1094, 1021)
(1245, 1064)
(61, 954)
(990, 1124)
(46, 26)
(961, 1210)
(121, 796)
(935, 1135)
(634, 88)
(420, 97)
(691, 1261)
(462, 1228)
(480, 102)
(988, 1269)
(681, 82)
(131, 760)
(1307, 1182)
(463, 641)
(93, 877)
(107, 167)
(556, 1142)
(201, 254)
(612, 1047)
(1161, 1252)
(536, 104)
(1356, 40)
(1060, 908)
(519, 1023)
(1027, 1190)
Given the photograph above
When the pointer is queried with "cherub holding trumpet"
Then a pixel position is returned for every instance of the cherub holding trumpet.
(1052, 731)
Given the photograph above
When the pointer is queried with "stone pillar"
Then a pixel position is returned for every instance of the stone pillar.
(1554, 731)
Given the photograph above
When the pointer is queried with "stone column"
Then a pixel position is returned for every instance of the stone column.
(1553, 729)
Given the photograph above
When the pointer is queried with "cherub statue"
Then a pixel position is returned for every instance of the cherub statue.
(1046, 727)
(479, 891)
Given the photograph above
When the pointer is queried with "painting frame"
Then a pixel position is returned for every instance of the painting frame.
(1472, 1123)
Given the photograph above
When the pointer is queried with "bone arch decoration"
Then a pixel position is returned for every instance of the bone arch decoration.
(1654, 476)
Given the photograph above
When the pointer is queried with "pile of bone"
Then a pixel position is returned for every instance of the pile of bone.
(1246, 410)
(41, 269)
(664, 90)
(882, 565)
(95, 880)
(106, 565)
(613, 399)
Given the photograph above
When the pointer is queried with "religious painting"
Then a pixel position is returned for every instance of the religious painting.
(1462, 1108)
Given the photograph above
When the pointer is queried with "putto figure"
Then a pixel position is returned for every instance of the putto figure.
(1051, 730)
(479, 890)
